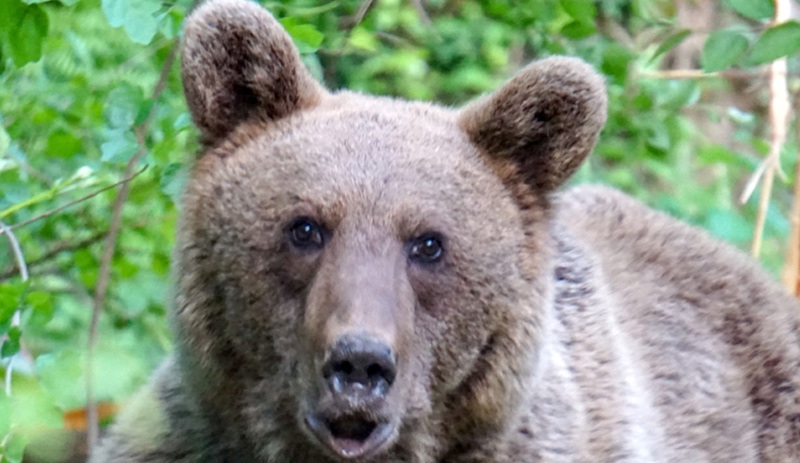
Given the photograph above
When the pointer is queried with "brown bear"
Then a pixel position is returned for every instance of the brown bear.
(366, 279)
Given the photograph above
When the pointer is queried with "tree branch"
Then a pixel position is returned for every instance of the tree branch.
(790, 276)
(54, 252)
(350, 22)
(692, 74)
(778, 119)
(104, 273)
(72, 203)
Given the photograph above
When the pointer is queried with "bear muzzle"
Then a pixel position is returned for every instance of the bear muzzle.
(360, 368)
(351, 437)
(351, 418)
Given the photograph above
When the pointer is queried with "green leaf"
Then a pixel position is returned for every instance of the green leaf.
(27, 34)
(722, 49)
(671, 42)
(305, 36)
(753, 9)
(776, 42)
(14, 448)
(578, 29)
(120, 146)
(11, 344)
(616, 59)
(40, 301)
(138, 17)
(10, 299)
(62, 144)
(124, 104)
(580, 10)
(184, 120)
(363, 39)
(10, 12)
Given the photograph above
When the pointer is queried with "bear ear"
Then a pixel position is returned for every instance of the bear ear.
(239, 63)
(544, 121)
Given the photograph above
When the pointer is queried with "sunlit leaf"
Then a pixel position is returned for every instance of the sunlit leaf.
(578, 29)
(26, 35)
(306, 37)
(138, 17)
(580, 10)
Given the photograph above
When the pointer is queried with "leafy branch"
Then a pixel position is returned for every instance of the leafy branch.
(109, 246)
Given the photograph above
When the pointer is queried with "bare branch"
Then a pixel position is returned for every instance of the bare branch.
(423, 15)
(778, 119)
(54, 252)
(791, 268)
(104, 273)
(349, 22)
(696, 74)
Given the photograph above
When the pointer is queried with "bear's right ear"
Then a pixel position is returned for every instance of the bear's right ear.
(239, 63)
(542, 123)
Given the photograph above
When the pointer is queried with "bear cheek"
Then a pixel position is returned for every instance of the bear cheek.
(262, 291)
(451, 322)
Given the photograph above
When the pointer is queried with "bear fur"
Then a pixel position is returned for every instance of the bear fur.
(518, 324)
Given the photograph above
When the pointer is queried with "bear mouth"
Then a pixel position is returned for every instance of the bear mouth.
(350, 437)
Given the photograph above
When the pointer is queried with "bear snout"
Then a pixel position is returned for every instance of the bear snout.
(360, 368)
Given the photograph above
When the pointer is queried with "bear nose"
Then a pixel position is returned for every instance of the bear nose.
(360, 367)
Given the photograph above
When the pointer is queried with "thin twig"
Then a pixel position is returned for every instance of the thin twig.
(778, 118)
(791, 268)
(15, 319)
(763, 207)
(77, 201)
(350, 22)
(104, 273)
(423, 15)
(54, 252)
(692, 74)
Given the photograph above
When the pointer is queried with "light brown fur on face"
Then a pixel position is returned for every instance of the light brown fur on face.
(552, 327)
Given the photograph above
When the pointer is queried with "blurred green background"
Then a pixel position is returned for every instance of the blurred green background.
(89, 90)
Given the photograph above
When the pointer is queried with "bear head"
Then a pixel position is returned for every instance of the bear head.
(361, 276)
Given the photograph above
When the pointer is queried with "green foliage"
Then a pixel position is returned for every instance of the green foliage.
(136, 16)
(722, 49)
(776, 42)
(753, 9)
(78, 103)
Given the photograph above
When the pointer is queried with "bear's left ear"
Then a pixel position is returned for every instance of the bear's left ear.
(239, 63)
(544, 121)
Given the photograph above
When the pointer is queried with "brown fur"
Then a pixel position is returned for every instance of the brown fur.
(575, 327)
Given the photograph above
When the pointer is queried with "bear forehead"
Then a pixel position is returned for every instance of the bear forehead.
(355, 152)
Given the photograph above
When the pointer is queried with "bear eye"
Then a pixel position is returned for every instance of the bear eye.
(305, 233)
(427, 248)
